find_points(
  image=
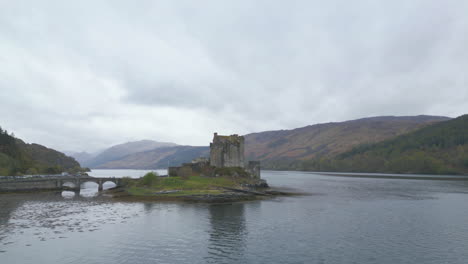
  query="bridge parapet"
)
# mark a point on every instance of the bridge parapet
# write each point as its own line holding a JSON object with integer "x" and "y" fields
{"x": 49, "y": 183}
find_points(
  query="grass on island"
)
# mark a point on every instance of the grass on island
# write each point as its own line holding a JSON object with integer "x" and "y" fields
{"x": 151, "y": 184}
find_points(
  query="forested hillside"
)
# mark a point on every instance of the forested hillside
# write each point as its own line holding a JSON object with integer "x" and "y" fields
{"x": 441, "y": 148}
{"x": 17, "y": 157}
{"x": 329, "y": 139}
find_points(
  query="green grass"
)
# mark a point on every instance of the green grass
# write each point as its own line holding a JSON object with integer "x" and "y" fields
{"x": 197, "y": 192}
{"x": 144, "y": 191}
{"x": 194, "y": 185}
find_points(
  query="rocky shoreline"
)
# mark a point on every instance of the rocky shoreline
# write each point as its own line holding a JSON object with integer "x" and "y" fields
{"x": 227, "y": 195}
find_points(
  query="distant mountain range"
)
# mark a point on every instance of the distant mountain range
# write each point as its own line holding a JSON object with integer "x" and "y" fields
{"x": 82, "y": 157}
{"x": 120, "y": 151}
{"x": 405, "y": 144}
{"x": 161, "y": 157}
{"x": 281, "y": 149}
{"x": 18, "y": 157}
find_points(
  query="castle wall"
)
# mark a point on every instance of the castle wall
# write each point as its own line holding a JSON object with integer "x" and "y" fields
{"x": 227, "y": 151}
{"x": 216, "y": 155}
{"x": 201, "y": 168}
{"x": 254, "y": 169}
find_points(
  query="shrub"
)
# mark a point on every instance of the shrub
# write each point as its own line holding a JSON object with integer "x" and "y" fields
{"x": 149, "y": 179}
{"x": 53, "y": 170}
{"x": 126, "y": 181}
{"x": 31, "y": 171}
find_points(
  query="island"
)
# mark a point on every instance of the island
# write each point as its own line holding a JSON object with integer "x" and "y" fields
{"x": 223, "y": 177}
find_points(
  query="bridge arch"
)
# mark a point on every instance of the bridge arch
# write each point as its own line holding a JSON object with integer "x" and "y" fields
{"x": 101, "y": 181}
{"x": 83, "y": 183}
{"x": 69, "y": 184}
{"x": 107, "y": 182}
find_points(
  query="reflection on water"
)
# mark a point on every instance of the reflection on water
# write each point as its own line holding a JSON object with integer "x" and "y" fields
{"x": 226, "y": 242}
{"x": 353, "y": 220}
{"x": 7, "y": 207}
{"x": 50, "y": 214}
{"x": 88, "y": 189}
{"x": 68, "y": 194}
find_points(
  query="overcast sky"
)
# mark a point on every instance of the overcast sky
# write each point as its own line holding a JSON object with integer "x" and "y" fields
{"x": 83, "y": 75}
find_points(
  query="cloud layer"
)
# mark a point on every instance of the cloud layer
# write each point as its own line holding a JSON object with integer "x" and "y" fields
{"x": 83, "y": 75}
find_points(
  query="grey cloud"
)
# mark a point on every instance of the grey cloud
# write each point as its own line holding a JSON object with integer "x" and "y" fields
{"x": 104, "y": 72}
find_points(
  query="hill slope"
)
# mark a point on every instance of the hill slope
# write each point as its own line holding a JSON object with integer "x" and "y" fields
{"x": 18, "y": 157}
{"x": 441, "y": 148}
{"x": 157, "y": 158}
{"x": 119, "y": 151}
{"x": 81, "y": 157}
{"x": 330, "y": 139}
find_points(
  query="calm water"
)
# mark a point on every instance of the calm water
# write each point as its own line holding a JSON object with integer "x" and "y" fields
{"x": 345, "y": 220}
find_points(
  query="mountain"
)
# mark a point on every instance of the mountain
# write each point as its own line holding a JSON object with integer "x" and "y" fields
{"x": 82, "y": 157}
{"x": 18, "y": 157}
{"x": 162, "y": 157}
{"x": 329, "y": 139}
{"x": 279, "y": 149}
{"x": 119, "y": 151}
{"x": 441, "y": 148}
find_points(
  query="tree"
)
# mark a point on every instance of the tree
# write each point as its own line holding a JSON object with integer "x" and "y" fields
{"x": 31, "y": 171}
{"x": 149, "y": 179}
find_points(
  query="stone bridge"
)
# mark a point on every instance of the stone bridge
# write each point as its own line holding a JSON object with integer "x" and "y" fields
{"x": 77, "y": 181}
{"x": 53, "y": 183}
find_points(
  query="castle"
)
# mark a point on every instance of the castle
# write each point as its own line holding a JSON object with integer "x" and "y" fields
{"x": 225, "y": 152}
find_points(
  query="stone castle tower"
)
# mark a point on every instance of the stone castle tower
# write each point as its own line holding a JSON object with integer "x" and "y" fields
{"x": 227, "y": 151}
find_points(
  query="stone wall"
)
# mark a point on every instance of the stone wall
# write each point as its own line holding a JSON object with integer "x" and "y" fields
{"x": 29, "y": 185}
{"x": 44, "y": 184}
{"x": 254, "y": 169}
{"x": 202, "y": 168}
{"x": 227, "y": 151}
